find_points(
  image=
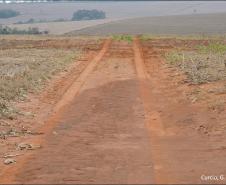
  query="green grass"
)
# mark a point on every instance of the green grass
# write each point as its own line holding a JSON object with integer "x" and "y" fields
{"x": 174, "y": 57}
{"x": 213, "y": 48}
{"x": 127, "y": 38}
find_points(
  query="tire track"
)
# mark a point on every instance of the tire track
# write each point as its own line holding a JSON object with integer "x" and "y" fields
{"x": 179, "y": 154}
{"x": 76, "y": 86}
{"x": 67, "y": 97}
{"x": 152, "y": 118}
{"x": 144, "y": 78}
{"x": 101, "y": 137}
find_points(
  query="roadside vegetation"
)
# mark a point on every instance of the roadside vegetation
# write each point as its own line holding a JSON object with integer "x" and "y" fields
{"x": 26, "y": 70}
{"x": 7, "y": 13}
{"x": 213, "y": 48}
{"x": 127, "y": 38}
{"x": 5, "y": 30}
{"x": 146, "y": 37}
{"x": 206, "y": 64}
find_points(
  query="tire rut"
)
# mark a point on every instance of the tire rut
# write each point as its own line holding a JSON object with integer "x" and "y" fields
{"x": 71, "y": 92}
{"x": 100, "y": 136}
{"x": 178, "y": 152}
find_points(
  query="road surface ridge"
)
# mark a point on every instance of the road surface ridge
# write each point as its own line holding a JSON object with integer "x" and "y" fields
{"x": 152, "y": 118}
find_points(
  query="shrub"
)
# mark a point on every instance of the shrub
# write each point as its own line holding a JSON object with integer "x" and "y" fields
{"x": 88, "y": 15}
{"x": 5, "y": 13}
{"x": 200, "y": 67}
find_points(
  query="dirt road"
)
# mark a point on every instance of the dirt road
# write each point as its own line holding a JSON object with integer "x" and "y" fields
{"x": 123, "y": 120}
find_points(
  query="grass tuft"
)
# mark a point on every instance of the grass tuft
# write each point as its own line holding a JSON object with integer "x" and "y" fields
{"x": 213, "y": 48}
{"x": 127, "y": 38}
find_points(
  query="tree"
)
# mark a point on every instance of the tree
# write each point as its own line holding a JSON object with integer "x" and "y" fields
{"x": 88, "y": 15}
{"x": 6, "y": 13}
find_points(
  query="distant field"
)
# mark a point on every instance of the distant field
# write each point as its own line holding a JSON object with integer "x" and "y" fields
{"x": 122, "y": 10}
{"x": 59, "y": 28}
{"x": 113, "y": 9}
{"x": 178, "y": 24}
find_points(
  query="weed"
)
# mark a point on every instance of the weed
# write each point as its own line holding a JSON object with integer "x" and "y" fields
{"x": 200, "y": 67}
{"x": 127, "y": 38}
{"x": 174, "y": 58}
{"x": 146, "y": 37}
{"x": 213, "y": 48}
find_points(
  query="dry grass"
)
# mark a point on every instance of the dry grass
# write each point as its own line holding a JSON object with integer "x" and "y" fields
{"x": 49, "y": 37}
{"x": 146, "y": 37}
{"x": 26, "y": 70}
{"x": 205, "y": 64}
{"x": 197, "y": 94}
{"x": 217, "y": 105}
{"x": 41, "y": 42}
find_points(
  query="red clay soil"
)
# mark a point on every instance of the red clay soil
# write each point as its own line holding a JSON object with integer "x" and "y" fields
{"x": 130, "y": 122}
